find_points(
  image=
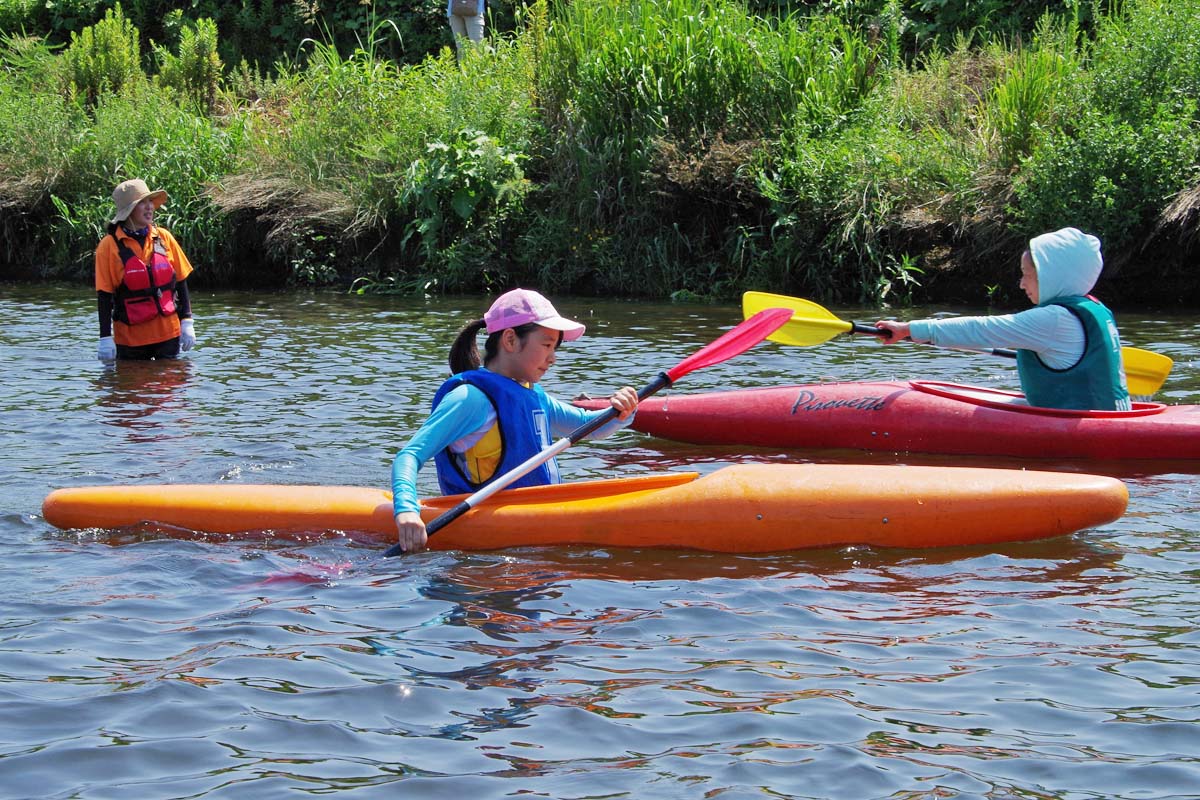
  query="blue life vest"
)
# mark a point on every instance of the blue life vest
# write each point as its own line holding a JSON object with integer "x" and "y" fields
{"x": 1096, "y": 381}
{"x": 524, "y": 430}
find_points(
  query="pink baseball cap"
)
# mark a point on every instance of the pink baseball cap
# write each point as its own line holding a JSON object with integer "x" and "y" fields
{"x": 521, "y": 306}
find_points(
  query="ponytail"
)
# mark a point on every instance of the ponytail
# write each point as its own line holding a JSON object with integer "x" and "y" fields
{"x": 464, "y": 354}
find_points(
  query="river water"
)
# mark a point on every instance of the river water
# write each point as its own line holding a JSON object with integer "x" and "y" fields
{"x": 134, "y": 664}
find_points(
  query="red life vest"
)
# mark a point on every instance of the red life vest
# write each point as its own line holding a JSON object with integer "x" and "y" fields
{"x": 146, "y": 291}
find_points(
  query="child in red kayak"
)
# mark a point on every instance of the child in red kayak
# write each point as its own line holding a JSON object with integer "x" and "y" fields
{"x": 1068, "y": 350}
{"x": 492, "y": 415}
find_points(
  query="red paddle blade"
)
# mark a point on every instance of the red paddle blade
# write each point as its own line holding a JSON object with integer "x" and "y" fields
{"x": 734, "y": 342}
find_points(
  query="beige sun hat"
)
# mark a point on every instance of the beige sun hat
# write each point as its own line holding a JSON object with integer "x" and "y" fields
{"x": 129, "y": 193}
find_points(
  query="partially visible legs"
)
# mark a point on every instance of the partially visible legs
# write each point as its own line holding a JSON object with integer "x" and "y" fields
{"x": 167, "y": 349}
{"x": 470, "y": 28}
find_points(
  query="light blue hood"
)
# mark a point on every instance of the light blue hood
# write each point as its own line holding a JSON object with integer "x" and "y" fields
{"x": 1068, "y": 263}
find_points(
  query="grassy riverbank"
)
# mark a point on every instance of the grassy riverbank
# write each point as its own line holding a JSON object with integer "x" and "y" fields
{"x": 634, "y": 148}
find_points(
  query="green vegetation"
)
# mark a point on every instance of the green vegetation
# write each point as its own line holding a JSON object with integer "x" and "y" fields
{"x": 865, "y": 150}
{"x": 104, "y": 59}
{"x": 196, "y": 72}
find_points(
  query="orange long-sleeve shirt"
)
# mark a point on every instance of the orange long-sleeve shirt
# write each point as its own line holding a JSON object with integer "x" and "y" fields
{"x": 110, "y": 271}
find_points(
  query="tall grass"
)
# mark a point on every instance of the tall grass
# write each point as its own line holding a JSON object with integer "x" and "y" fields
{"x": 990, "y": 144}
{"x": 337, "y": 156}
{"x": 846, "y": 209}
{"x": 36, "y": 131}
{"x": 629, "y": 72}
{"x": 171, "y": 149}
{"x": 636, "y": 147}
{"x": 636, "y": 94}
{"x": 870, "y": 211}
{"x": 1041, "y": 90}
{"x": 62, "y": 159}
{"x": 1118, "y": 163}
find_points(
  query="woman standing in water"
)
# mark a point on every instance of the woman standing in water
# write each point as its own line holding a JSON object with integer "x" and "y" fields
{"x": 141, "y": 282}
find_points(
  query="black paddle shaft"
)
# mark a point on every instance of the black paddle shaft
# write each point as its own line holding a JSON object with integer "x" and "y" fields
{"x": 871, "y": 330}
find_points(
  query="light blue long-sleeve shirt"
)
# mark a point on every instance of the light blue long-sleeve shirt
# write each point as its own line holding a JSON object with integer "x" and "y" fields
{"x": 460, "y": 421}
{"x": 1068, "y": 263}
{"x": 1053, "y": 332}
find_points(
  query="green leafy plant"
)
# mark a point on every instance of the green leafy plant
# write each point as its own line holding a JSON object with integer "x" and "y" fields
{"x": 1145, "y": 56}
{"x": 196, "y": 72}
{"x": 455, "y": 183}
{"x": 55, "y": 20}
{"x": 1108, "y": 176}
{"x": 105, "y": 57}
{"x": 313, "y": 261}
{"x": 897, "y": 280}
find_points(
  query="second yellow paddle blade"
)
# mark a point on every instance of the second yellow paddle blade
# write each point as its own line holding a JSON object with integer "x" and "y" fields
{"x": 810, "y": 324}
{"x": 1145, "y": 370}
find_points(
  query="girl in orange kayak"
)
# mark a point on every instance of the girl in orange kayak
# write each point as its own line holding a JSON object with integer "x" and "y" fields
{"x": 492, "y": 415}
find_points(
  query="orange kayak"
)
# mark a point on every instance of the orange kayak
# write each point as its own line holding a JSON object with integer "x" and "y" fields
{"x": 747, "y": 508}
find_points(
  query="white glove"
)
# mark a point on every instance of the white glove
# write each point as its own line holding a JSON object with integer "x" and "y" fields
{"x": 187, "y": 334}
{"x": 106, "y": 349}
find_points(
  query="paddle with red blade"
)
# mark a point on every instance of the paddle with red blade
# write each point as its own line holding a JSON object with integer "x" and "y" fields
{"x": 734, "y": 342}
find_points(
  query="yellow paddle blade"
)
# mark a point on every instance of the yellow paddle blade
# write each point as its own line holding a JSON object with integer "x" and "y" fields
{"x": 810, "y": 324}
{"x": 1145, "y": 370}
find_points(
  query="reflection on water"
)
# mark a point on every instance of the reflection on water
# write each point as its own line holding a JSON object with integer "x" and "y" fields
{"x": 138, "y": 663}
{"x": 147, "y": 398}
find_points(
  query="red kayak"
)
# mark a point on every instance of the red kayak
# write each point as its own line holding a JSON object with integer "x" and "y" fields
{"x": 921, "y": 417}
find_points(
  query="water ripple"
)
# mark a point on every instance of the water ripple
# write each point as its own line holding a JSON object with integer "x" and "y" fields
{"x": 153, "y": 663}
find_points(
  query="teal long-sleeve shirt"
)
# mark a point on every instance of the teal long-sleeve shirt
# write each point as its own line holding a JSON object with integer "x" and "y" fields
{"x": 460, "y": 420}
